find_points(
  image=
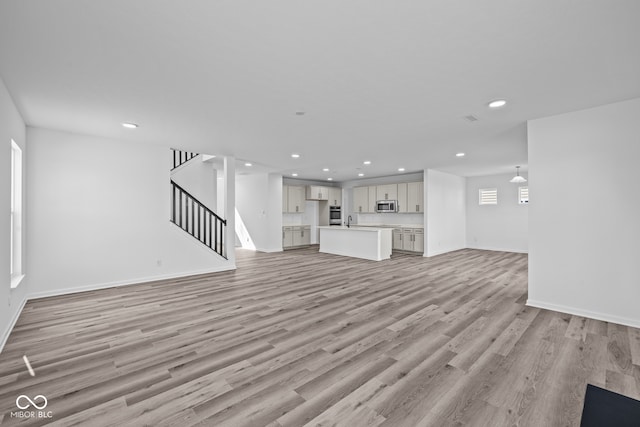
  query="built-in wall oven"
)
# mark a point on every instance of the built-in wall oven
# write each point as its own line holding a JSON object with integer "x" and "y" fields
{"x": 335, "y": 215}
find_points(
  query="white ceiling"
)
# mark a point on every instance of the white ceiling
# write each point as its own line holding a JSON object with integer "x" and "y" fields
{"x": 387, "y": 81}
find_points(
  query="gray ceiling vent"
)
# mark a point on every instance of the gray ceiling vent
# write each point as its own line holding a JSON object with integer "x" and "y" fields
{"x": 471, "y": 118}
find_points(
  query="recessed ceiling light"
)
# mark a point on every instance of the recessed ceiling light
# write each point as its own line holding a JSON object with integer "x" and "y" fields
{"x": 294, "y": 174}
{"x": 329, "y": 179}
{"x": 366, "y": 162}
{"x": 295, "y": 156}
{"x": 360, "y": 174}
{"x": 325, "y": 170}
{"x": 459, "y": 154}
{"x": 497, "y": 103}
{"x": 248, "y": 164}
{"x": 400, "y": 169}
{"x": 130, "y": 125}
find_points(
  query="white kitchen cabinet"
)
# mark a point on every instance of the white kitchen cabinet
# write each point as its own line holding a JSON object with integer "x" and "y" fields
{"x": 296, "y": 235}
{"x": 372, "y": 199}
{"x": 295, "y": 202}
{"x": 285, "y": 198}
{"x": 316, "y": 192}
{"x": 407, "y": 239}
{"x": 418, "y": 240}
{"x": 287, "y": 237}
{"x": 360, "y": 199}
{"x": 402, "y": 197}
{"x": 305, "y": 235}
{"x": 387, "y": 192}
{"x": 335, "y": 196}
{"x": 415, "y": 197}
{"x": 413, "y": 239}
{"x": 397, "y": 239}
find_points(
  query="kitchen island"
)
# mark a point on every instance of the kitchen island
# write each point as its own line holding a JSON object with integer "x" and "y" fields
{"x": 360, "y": 242}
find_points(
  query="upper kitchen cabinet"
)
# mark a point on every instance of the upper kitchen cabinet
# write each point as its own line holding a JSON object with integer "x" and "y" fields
{"x": 360, "y": 199}
{"x": 285, "y": 198}
{"x": 335, "y": 196}
{"x": 295, "y": 198}
{"x": 372, "y": 199}
{"x": 415, "y": 197}
{"x": 402, "y": 198}
{"x": 315, "y": 192}
{"x": 387, "y": 192}
{"x": 364, "y": 199}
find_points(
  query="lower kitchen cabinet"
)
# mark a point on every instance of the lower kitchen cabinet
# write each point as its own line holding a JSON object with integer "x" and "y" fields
{"x": 295, "y": 236}
{"x": 287, "y": 237}
{"x": 408, "y": 239}
{"x": 397, "y": 239}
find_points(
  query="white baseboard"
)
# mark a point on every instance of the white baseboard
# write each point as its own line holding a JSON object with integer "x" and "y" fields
{"x": 12, "y": 323}
{"x": 430, "y": 254}
{"x": 67, "y": 291}
{"x": 518, "y": 251}
{"x": 96, "y": 286}
{"x": 269, "y": 250}
{"x": 427, "y": 255}
{"x": 634, "y": 323}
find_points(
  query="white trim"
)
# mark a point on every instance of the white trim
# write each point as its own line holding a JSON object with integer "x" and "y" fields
{"x": 430, "y": 254}
{"x": 67, "y": 291}
{"x": 634, "y": 323}
{"x": 7, "y": 332}
{"x": 97, "y": 286}
{"x": 517, "y": 251}
{"x": 15, "y": 280}
{"x": 272, "y": 250}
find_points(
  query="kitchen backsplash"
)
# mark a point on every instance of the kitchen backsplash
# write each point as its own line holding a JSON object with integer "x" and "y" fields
{"x": 390, "y": 218}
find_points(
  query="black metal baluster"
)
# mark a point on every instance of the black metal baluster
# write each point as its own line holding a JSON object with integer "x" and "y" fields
{"x": 173, "y": 202}
{"x": 208, "y": 230}
{"x": 210, "y": 227}
{"x": 215, "y": 237}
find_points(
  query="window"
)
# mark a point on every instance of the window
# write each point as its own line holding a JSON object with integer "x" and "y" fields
{"x": 488, "y": 196}
{"x": 523, "y": 195}
{"x": 16, "y": 214}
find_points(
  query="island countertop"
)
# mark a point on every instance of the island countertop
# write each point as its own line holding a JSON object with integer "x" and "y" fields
{"x": 353, "y": 227}
{"x": 360, "y": 242}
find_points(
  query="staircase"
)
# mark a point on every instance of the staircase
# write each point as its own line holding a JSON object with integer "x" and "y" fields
{"x": 181, "y": 157}
{"x": 192, "y": 216}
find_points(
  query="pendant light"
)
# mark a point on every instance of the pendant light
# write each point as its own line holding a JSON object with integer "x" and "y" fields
{"x": 518, "y": 179}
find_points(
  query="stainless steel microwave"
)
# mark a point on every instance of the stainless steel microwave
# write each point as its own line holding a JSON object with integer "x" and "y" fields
{"x": 387, "y": 206}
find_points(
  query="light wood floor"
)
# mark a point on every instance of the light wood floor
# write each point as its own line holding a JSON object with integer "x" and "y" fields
{"x": 300, "y": 338}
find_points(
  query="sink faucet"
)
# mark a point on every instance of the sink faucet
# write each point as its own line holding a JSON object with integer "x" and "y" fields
{"x": 349, "y": 221}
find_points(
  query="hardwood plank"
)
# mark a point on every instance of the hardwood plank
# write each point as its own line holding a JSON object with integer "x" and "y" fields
{"x": 301, "y": 337}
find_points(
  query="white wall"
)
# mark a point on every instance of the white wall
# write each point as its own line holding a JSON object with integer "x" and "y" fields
{"x": 501, "y": 227}
{"x": 259, "y": 205}
{"x": 99, "y": 215}
{"x": 583, "y": 219}
{"x": 11, "y": 127}
{"x": 445, "y": 220}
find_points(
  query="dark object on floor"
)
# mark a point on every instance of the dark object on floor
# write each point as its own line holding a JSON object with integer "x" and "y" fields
{"x": 606, "y": 408}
